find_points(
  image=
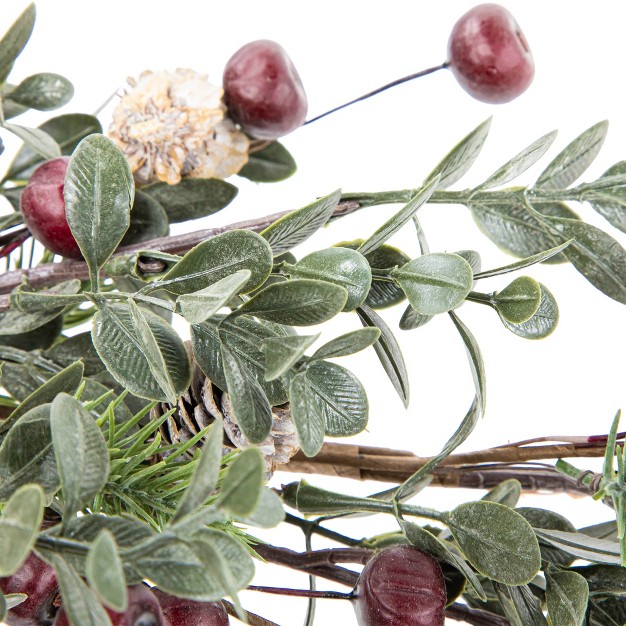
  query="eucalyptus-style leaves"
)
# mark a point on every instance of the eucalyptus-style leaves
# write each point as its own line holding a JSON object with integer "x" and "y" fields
{"x": 349, "y": 343}
{"x": 81, "y": 452}
{"x": 281, "y": 353}
{"x": 241, "y": 487}
{"x": 14, "y": 40}
{"x": 342, "y": 266}
{"x": 270, "y": 165}
{"x": 99, "y": 190}
{"x": 198, "y": 306}
{"x": 250, "y": 404}
{"x": 43, "y": 92}
{"x": 574, "y": 159}
{"x": 192, "y": 198}
{"x": 543, "y": 321}
{"x": 105, "y": 573}
{"x": 217, "y": 258}
{"x": 307, "y": 419}
{"x": 567, "y": 594}
{"x": 298, "y": 302}
{"x": 519, "y": 163}
{"x": 117, "y": 340}
{"x": 497, "y": 541}
{"x": 519, "y": 301}
{"x": 297, "y": 226}
{"x": 435, "y": 283}
{"x": 395, "y": 223}
{"x": 268, "y": 513}
{"x": 388, "y": 351}
{"x": 461, "y": 158}
{"x": 19, "y": 527}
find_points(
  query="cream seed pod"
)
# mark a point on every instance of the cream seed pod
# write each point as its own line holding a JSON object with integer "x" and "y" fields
{"x": 173, "y": 125}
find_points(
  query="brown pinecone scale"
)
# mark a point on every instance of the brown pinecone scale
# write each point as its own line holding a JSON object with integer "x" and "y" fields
{"x": 198, "y": 407}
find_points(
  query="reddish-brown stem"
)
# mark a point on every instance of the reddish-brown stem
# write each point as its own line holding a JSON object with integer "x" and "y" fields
{"x": 302, "y": 593}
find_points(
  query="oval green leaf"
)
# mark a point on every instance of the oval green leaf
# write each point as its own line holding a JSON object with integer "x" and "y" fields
{"x": 14, "y": 40}
{"x": 435, "y": 283}
{"x": 105, "y": 572}
{"x": 497, "y": 541}
{"x": 542, "y": 323}
{"x": 269, "y": 165}
{"x": 115, "y": 338}
{"x": 43, "y": 92}
{"x": 240, "y": 489}
{"x": 283, "y": 352}
{"x": 350, "y": 343}
{"x": 148, "y": 220}
{"x": 567, "y": 594}
{"x": 519, "y": 301}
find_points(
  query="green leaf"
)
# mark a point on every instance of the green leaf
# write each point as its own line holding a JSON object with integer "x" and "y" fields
{"x": 40, "y": 305}
{"x": 306, "y": 415}
{"x": 582, "y": 546}
{"x": 219, "y": 257}
{"x": 74, "y": 348}
{"x": 607, "y": 195}
{"x": 99, "y": 191}
{"x": 240, "y": 489}
{"x": 105, "y": 573}
{"x": 204, "y": 478}
{"x": 341, "y": 266}
{"x": 80, "y": 603}
{"x": 148, "y": 220}
{"x": 513, "y": 227}
{"x": 596, "y": 255}
{"x": 349, "y": 343}
{"x": 66, "y": 381}
{"x": 388, "y": 351}
{"x": 36, "y": 139}
{"x": 115, "y": 338}
{"x": 192, "y": 197}
{"x": 269, "y": 165}
{"x": 542, "y": 323}
{"x": 426, "y": 541}
{"x": 81, "y": 453}
{"x": 199, "y": 306}
{"x": 26, "y": 454}
{"x": 14, "y": 40}
{"x": 519, "y": 301}
{"x": 339, "y": 397}
{"x": 283, "y": 352}
{"x": 268, "y": 513}
{"x": 435, "y": 283}
{"x": 19, "y": 527}
{"x": 497, "y": 541}
{"x": 250, "y": 404}
{"x": 520, "y": 605}
{"x": 299, "y": 302}
{"x": 67, "y": 130}
{"x": 567, "y": 594}
{"x": 297, "y": 226}
{"x": 243, "y": 336}
{"x": 574, "y": 159}
{"x": 393, "y": 225}
{"x": 43, "y": 92}
{"x": 519, "y": 163}
{"x": 543, "y": 518}
{"x": 4, "y": 605}
{"x": 507, "y": 492}
{"x": 461, "y": 158}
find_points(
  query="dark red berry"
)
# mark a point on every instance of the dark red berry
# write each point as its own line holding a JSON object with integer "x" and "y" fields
{"x": 181, "y": 612}
{"x": 38, "y": 581}
{"x": 263, "y": 91}
{"x": 400, "y": 586}
{"x": 489, "y": 56}
{"x": 143, "y": 610}
{"x": 43, "y": 208}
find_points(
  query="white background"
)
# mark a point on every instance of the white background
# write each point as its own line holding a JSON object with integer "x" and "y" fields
{"x": 570, "y": 383}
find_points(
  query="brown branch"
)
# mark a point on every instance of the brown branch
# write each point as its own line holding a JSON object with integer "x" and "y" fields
{"x": 53, "y": 273}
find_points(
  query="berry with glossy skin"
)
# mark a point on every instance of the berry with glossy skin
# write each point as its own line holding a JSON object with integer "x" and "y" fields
{"x": 38, "y": 581}
{"x": 489, "y": 56}
{"x": 400, "y": 586}
{"x": 43, "y": 208}
{"x": 143, "y": 610}
{"x": 181, "y": 612}
{"x": 263, "y": 91}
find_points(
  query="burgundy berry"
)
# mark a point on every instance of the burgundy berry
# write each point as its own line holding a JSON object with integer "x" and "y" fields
{"x": 38, "y": 581}
{"x": 181, "y": 612}
{"x": 43, "y": 208}
{"x": 400, "y": 586}
{"x": 489, "y": 56}
{"x": 143, "y": 610}
{"x": 263, "y": 91}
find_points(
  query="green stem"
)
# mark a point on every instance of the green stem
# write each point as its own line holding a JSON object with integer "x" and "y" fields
{"x": 481, "y": 298}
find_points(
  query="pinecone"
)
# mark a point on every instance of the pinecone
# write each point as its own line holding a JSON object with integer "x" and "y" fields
{"x": 204, "y": 401}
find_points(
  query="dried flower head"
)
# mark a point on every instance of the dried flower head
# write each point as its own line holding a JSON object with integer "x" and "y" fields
{"x": 172, "y": 125}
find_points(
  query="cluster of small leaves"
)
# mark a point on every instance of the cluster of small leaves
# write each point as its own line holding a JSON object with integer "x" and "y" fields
{"x": 516, "y": 562}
